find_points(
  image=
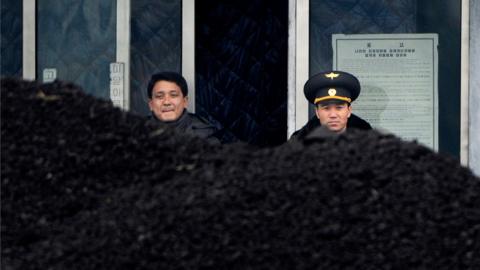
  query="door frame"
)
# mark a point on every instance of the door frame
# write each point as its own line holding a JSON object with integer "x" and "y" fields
{"x": 29, "y": 62}
{"x": 188, "y": 49}
{"x": 298, "y": 64}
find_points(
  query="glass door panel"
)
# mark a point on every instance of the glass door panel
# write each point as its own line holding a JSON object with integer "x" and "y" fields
{"x": 442, "y": 17}
{"x": 76, "y": 42}
{"x": 156, "y": 45}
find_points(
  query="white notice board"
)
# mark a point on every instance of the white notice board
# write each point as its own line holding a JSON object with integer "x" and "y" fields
{"x": 398, "y": 74}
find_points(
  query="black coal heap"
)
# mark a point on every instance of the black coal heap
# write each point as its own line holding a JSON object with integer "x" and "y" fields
{"x": 88, "y": 186}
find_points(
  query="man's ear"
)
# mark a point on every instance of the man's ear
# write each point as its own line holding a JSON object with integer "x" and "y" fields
{"x": 150, "y": 104}
{"x": 316, "y": 112}
{"x": 186, "y": 101}
{"x": 349, "y": 110}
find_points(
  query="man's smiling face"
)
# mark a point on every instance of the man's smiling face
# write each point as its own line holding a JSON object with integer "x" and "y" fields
{"x": 168, "y": 101}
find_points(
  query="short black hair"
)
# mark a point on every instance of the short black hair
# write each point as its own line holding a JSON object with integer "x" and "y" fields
{"x": 168, "y": 76}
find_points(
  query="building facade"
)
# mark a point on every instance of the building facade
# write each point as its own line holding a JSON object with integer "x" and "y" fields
{"x": 246, "y": 61}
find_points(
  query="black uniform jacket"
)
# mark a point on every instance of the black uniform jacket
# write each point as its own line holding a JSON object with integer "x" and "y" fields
{"x": 191, "y": 124}
{"x": 354, "y": 122}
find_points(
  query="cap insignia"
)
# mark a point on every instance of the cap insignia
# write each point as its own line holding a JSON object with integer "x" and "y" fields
{"x": 332, "y": 92}
{"x": 332, "y": 75}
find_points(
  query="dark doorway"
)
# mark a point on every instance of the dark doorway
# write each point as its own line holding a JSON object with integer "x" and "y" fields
{"x": 241, "y": 68}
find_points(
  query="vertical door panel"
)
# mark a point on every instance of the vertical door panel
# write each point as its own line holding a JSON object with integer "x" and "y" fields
{"x": 11, "y": 38}
{"x": 241, "y": 68}
{"x": 77, "y": 40}
{"x": 156, "y": 45}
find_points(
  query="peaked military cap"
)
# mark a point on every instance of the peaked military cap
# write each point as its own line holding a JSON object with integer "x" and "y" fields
{"x": 332, "y": 85}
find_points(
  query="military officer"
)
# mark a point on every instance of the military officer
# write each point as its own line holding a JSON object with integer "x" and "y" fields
{"x": 332, "y": 92}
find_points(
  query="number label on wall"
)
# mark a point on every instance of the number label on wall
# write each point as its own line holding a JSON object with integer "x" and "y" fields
{"x": 117, "y": 94}
{"x": 49, "y": 75}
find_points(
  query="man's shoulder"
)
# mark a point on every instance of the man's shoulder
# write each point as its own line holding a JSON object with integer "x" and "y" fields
{"x": 312, "y": 124}
{"x": 202, "y": 128}
{"x": 152, "y": 120}
{"x": 199, "y": 122}
{"x": 356, "y": 122}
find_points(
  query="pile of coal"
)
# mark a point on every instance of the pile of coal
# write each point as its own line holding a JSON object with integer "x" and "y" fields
{"x": 88, "y": 186}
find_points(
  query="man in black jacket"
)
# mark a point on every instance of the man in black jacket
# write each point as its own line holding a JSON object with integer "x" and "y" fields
{"x": 332, "y": 93}
{"x": 168, "y": 101}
